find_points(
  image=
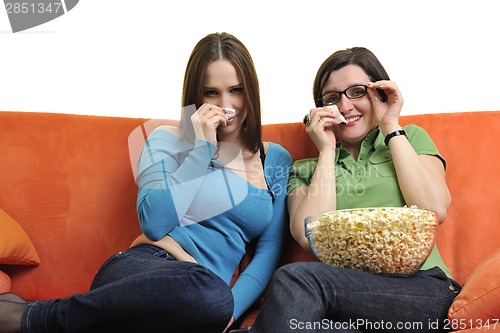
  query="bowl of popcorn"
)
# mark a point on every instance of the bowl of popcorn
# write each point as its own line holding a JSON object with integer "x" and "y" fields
{"x": 383, "y": 240}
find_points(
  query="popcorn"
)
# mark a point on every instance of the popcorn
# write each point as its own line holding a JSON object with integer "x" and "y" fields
{"x": 386, "y": 240}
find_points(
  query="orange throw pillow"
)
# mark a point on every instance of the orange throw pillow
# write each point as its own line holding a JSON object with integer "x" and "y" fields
{"x": 4, "y": 282}
{"x": 16, "y": 247}
{"x": 478, "y": 304}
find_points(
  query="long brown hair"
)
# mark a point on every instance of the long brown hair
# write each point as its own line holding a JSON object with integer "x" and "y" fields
{"x": 224, "y": 46}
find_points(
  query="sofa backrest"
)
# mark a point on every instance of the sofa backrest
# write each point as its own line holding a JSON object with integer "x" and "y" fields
{"x": 68, "y": 180}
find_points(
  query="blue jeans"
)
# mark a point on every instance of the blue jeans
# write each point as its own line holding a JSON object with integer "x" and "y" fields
{"x": 315, "y": 297}
{"x": 142, "y": 289}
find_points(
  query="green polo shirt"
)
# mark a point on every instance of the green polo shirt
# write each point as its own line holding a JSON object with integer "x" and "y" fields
{"x": 371, "y": 181}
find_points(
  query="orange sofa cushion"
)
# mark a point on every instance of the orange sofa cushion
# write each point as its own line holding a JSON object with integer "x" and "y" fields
{"x": 68, "y": 181}
{"x": 16, "y": 247}
{"x": 478, "y": 303}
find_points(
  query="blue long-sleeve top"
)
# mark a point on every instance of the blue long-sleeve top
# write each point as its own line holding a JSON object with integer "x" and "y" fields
{"x": 212, "y": 212}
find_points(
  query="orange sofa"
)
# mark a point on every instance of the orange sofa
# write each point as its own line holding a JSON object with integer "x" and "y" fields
{"x": 68, "y": 194}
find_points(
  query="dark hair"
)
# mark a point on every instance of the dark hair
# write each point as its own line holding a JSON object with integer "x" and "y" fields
{"x": 224, "y": 46}
{"x": 360, "y": 56}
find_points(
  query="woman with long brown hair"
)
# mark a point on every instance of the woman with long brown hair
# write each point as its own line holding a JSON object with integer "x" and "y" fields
{"x": 206, "y": 190}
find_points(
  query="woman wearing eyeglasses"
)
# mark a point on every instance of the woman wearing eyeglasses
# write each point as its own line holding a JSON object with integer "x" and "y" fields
{"x": 400, "y": 166}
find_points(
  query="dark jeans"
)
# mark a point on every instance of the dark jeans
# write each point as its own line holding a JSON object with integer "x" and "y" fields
{"x": 142, "y": 289}
{"x": 315, "y": 297}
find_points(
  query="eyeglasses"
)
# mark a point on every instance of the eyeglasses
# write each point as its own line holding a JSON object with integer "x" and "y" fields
{"x": 353, "y": 92}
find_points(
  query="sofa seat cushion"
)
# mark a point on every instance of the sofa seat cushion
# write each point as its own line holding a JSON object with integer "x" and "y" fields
{"x": 16, "y": 247}
{"x": 478, "y": 304}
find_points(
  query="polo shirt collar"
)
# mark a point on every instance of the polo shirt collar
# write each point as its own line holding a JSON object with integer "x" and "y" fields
{"x": 372, "y": 139}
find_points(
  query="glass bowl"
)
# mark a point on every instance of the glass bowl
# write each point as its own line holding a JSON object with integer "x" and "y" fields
{"x": 383, "y": 240}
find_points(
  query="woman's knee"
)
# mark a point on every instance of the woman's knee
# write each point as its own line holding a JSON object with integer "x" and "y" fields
{"x": 297, "y": 272}
{"x": 292, "y": 276}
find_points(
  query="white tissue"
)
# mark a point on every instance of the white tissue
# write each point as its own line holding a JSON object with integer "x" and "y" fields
{"x": 335, "y": 109}
{"x": 230, "y": 112}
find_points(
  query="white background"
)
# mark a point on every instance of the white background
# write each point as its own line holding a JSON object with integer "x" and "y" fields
{"x": 127, "y": 58}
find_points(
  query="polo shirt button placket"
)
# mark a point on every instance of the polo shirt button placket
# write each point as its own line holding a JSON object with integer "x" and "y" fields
{"x": 360, "y": 174}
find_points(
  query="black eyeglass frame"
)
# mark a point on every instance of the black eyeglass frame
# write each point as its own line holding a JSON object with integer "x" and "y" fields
{"x": 343, "y": 92}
